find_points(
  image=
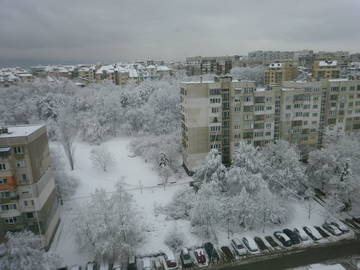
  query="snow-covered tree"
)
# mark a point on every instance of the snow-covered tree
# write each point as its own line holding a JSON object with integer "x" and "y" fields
{"x": 255, "y": 73}
{"x": 102, "y": 158}
{"x": 109, "y": 225}
{"x": 66, "y": 132}
{"x": 23, "y": 250}
{"x": 213, "y": 170}
{"x": 181, "y": 204}
{"x": 65, "y": 184}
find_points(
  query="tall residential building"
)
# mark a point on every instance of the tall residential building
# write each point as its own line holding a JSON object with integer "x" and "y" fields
{"x": 220, "y": 114}
{"x": 27, "y": 187}
{"x": 279, "y": 72}
{"x": 219, "y": 65}
{"x": 325, "y": 69}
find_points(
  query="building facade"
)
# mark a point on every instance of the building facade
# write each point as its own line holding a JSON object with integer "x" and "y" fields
{"x": 220, "y": 114}
{"x": 326, "y": 69}
{"x": 279, "y": 72}
{"x": 27, "y": 188}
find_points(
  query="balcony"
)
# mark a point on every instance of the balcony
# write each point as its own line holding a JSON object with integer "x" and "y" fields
{"x": 5, "y": 152}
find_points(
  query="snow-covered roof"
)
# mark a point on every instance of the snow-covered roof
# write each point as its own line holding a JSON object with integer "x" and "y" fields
{"x": 275, "y": 65}
{"x": 328, "y": 63}
{"x": 20, "y": 131}
{"x": 162, "y": 68}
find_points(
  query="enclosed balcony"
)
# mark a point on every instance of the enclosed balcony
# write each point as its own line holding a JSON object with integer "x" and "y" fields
{"x": 5, "y": 152}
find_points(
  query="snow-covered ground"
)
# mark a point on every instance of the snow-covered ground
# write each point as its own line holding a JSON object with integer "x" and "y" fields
{"x": 143, "y": 183}
{"x": 145, "y": 186}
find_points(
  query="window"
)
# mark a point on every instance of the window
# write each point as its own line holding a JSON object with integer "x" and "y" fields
{"x": 259, "y": 108}
{"x": 3, "y": 180}
{"x": 237, "y": 100}
{"x": 7, "y": 207}
{"x": 30, "y": 215}
{"x": 268, "y": 133}
{"x": 248, "y": 117}
{"x": 25, "y": 203}
{"x": 288, "y": 107}
{"x": 237, "y": 126}
{"x": 314, "y": 114}
{"x": 20, "y": 164}
{"x": 259, "y": 134}
{"x": 268, "y": 99}
{"x": 297, "y": 106}
{"x": 268, "y": 108}
{"x": 215, "y": 110}
{"x": 306, "y": 114}
{"x": 315, "y": 106}
{"x": 10, "y": 220}
{"x": 18, "y": 149}
{"x": 2, "y": 167}
{"x": 215, "y": 100}
{"x": 237, "y": 109}
{"x": 7, "y": 194}
{"x": 248, "y": 99}
{"x": 215, "y": 91}
{"x": 24, "y": 177}
{"x": 306, "y": 106}
{"x": 248, "y": 108}
{"x": 298, "y": 114}
{"x": 288, "y": 115}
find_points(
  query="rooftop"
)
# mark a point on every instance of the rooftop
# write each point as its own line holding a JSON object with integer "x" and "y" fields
{"x": 20, "y": 131}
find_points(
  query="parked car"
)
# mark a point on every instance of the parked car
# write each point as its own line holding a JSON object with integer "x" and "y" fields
{"x": 229, "y": 256}
{"x": 283, "y": 238}
{"x": 91, "y": 266}
{"x": 211, "y": 252}
{"x": 185, "y": 257}
{"x": 170, "y": 261}
{"x": 356, "y": 220}
{"x": 260, "y": 243}
{"x": 250, "y": 245}
{"x": 200, "y": 256}
{"x": 272, "y": 242}
{"x": 132, "y": 263}
{"x": 146, "y": 263}
{"x": 313, "y": 235}
{"x": 341, "y": 227}
{"x": 301, "y": 234}
{"x": 332, "y": 229}
{"x": 238, "y": 247}
{"x": 294, "y": 238}
{"x": 322, "y": 232}
{"x": 75, "y": 267}
{"x": 352, "y": 223}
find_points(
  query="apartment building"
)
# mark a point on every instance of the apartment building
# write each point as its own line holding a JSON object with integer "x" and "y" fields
{"x": 219, "y": 65}
{"x": 27, "y": 187}
{"x": 267, "y": 57}
{"x": 278, "y": 72}
{"x": 87, "y": 73}
{"x": 220, "y": 114}
{"x": 326, "y": 69}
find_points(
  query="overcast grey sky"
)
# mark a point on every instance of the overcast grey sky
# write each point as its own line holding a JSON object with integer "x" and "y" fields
{"x": 73, "y": 31}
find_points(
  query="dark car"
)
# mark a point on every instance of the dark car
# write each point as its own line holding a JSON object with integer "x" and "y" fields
{"x": 301, "y": 234}
{"x": 229, "y": 256}
{"x": 211, "y": 252}
{"x": 170, "y": 261}
{"x": 309, "y": 233}
{"x": 322, "y": 232}
{"x": 271, "y": 241}
{"x": 352, "y": 223}
{"x": 185, "y": 257}
{"x": 283, "y": 238}
{"x": 295, "y": 239}
{"x": 260, "y": 243}
{"x": 356, "y": 220}
{"x": 132, "y": 263}
{"x": 341, "y": 227}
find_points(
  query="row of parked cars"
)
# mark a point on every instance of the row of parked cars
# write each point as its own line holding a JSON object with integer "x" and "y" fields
{"x": 278, "y": 241}
{"x": 238, "y": 248}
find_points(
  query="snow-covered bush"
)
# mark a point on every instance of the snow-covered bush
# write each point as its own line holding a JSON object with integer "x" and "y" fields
{"x": 174, "y": 238}
{"x": 181, "y": 204}
{"x": 23, "y": 250}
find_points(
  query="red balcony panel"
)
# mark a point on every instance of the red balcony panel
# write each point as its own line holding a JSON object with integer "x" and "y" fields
{"x": 10, "y": 185}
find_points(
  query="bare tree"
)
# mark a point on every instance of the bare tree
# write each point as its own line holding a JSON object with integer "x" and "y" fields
{"x": 66, "y": 133}
{"x": 102, "y": 158}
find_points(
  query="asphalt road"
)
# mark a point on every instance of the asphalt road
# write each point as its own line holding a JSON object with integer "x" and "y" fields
{"x": 305, "y": 257}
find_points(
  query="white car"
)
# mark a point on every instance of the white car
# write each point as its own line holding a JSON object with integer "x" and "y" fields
{"x": 239, "y": 247}
{"x": 303, "y": 236}
{"x": 104, "y": 266}
{"x": 250, "y": 245}
{"x": 75, "y": 267}
{"x": 146, "y": 263}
